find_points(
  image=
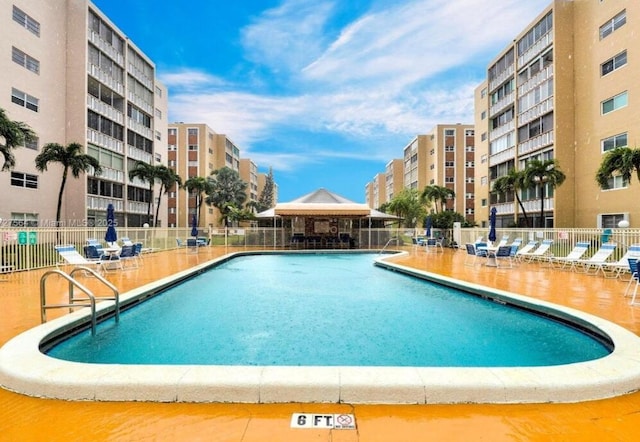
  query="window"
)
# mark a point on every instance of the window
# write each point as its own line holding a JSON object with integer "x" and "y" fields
{"x": 24, "y": 219}
{"x": 483, "y": 202}
{"x": 617, "y": 182}
{"x": 469, "y": 133}
{"x": 24, "y": 100}
{"x": 615, "y": 23}
{"x": 620, "y": 100}
{"x": 483, "y": 115}
{"x": 25, "y": 20}
{"x": 19, "y": 179}
{"x": 483, "y": 137}
{"x": 614, "y": 142}
{"x": 614, "y": 63}
{"x": 25, "y": 60}
{"x": 483, "y": 181}
{"x": 449, "y": 179}
{"x": 449, "y": 148}
{"x": 32, "y": 144}
{"x": 611, "y": 220}
{"x": 158, "y": 113}
{"x": 449, "y": 132}
{"x": 158, "y": 91}
{"x": 449, "y": 164}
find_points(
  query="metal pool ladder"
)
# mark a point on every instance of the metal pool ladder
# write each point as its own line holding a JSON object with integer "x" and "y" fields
{"x": 393, "y": 238}
{"x": 88, "y": 301}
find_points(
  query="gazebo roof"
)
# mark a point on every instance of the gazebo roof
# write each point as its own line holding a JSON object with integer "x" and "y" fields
{"x": 323, "y": 203}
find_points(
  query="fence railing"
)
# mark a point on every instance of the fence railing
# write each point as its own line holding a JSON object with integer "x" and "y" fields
{"x": 25, "y": 248}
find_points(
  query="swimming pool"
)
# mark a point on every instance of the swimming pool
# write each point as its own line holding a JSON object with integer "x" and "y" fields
{"x": 26, "y": 370}
{"x": 326, "y": 310}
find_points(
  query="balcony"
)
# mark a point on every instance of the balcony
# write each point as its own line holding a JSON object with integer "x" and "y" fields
{"x": 535, "y": 143}
{"x": 140, "y": 155}
{"x": 504, "y": 75}
{"x": 104, "y": 109}
{"x": 100, "y": 203}
{"x": 536, "y": 111}
{"x": 502, "y": 156}
{"x": 501, "y": 104}
{"x": 102, "y": 140}
{"x": 535, "y": 49}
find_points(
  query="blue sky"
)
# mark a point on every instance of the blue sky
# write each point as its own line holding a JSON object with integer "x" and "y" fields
{"x": 325, "y": 92}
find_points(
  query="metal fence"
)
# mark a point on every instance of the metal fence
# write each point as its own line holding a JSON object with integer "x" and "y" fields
{"x": 33, "y": 248}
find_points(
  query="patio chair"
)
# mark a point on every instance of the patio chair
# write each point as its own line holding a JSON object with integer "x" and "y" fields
{"x": 539, "y": 253}
{"x": 576, "y": 253}
{"x": 127, "y": 254}
{"x": 526, "y": 249}
{"x": 433, "y": 244}
{"x": 616, "y": 269}
{"x": 503, "y": 254}
{"x": 593, "y": 265}
{"x": 471, "y": 253}
{"x": 635, "y": 279}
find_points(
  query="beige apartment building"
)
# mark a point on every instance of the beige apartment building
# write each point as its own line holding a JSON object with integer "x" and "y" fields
{"x": 375, "y": 191}
{"x": 195, "y": 150}
{"x": 249, "y": 174}
{"x": 444, "y": 157}
{"x": 566, "y": 89}
{"x": 385, "y": 185}
{"x": 74, "y": 77}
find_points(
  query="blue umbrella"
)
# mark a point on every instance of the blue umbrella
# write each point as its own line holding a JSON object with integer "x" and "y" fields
{"x": 492, "y": 225}
{"x": 427, "y": 225}
{"x": 111, "y": 236}
{"x": 194, "y": 226}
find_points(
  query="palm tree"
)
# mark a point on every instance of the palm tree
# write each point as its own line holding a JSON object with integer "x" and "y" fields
{"x": 147, "y": 173}
{"x": 198, "y": 186}
{"x": 407, "y": 205}
{"x": 435, "y": 194}
{"x": 15, "y": 134}
{"x": 622, "y": 161}
{"x": 227, "y": 190}
{"x": 71, "y": 158}
{"x": 540, "y": 174}
{"x": 168, "y": 177}
{"x": 512, "y": 182}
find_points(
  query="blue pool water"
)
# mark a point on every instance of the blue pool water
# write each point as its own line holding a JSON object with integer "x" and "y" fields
{"x": 325, "y": 310}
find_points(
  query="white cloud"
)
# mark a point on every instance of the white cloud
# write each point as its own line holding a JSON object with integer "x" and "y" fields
{"x": 392, "y": 72}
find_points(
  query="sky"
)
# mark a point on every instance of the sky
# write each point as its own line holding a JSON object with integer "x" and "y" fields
{"x": 323, "y": 92}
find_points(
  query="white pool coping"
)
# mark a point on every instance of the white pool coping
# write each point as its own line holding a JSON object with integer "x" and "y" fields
{"x": 24, "y": 369}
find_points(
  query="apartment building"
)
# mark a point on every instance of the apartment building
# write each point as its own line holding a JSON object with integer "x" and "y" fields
{"x": 375, "y": 191}
{"x": 566, "y": 89}
{"x": 444, "y": 157}
{"x": 249, "y": 174}
{"x": 196, "y": 150}
{"x": 393, "y": 179}
{"x": 482, "y": 184}
{"x": 74, "y": 77}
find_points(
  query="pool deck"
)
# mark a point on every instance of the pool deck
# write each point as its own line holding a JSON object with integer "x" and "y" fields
{"x": 617, "y": 419}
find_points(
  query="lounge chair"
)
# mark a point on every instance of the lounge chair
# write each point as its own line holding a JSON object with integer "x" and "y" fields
{"x": 127, "y": 254}
{"x": 70, "y": 256}
{"x": 526, "y": 249}
{"x": 503, "y": 241}
{"x": 615, "y": 269}
{"x": 593, "y": 265}
{"x": 471, "y": 252}
{"x": 570, "y": 260}
{"x": 539, "y": 253}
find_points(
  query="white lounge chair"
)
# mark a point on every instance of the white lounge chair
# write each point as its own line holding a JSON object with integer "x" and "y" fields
{"x": 70, "y": 256}
{"x": 593, "y": 265}
{"x": 576, "y": 253}
{"x": 528, "y": 247}
{"x": 615, "y": 269}
{"x": 540, "y": 253}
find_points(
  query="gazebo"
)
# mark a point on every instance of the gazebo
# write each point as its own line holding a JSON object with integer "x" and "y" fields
{"x": 323, "y": 219}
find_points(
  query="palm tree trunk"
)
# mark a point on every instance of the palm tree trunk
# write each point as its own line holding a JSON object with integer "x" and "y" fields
{"x": 150, "y": 203}
{"x": 60, "y": 192}
{"x": 524, "y": 212}
{"x": 155, "y": 220}
{"x": 542, "y": 205}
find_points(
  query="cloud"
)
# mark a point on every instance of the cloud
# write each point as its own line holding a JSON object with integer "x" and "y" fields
{"x": 390, "y": 74}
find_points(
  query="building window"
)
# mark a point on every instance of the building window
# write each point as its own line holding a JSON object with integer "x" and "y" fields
{"x": 483, "y": 93}
{"x": 25, "y": 100}
{"x": 158, "y": 157}
{"x": 483, "y": 115}
{"x": 193, "y": 147}
{"x": 449, "y": 148}
{"x": 483, "y": 202}
{"x": 483, "y": 158}
{"x": 26, "y": 21}
{"x": 19, "y": 179}
{"x": 32, "y": 144}
{"x": 613, "y": 24}
{"x": 614, "y": 142}
{"x": 483, "y": 137}
{"x": 614, "y": 63}
{"x": 450, "y": 164}
{"x": 449, "y": 179}
{"x": 25, "y": 60}
{"x": 470, "y": 149}
{"x": 483, "y": 181}
{"x": 158, "y": 91}
{"x": 449, "y": 132}
{"x": 617, "y": 182}
{"x": 158, "y": 113}
{"x": 158, "y": 135}
{"x": 620, "y": 100}
{"x": 24, "y": 219}
{"x": 431, "y": 167}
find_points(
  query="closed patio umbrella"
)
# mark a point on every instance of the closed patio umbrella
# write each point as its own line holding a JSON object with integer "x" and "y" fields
{"x": 111, "y": 235}
{"x": 492, "y": 225}
{"x": 194, "y": 226}
{"x": 427, "y": 225}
